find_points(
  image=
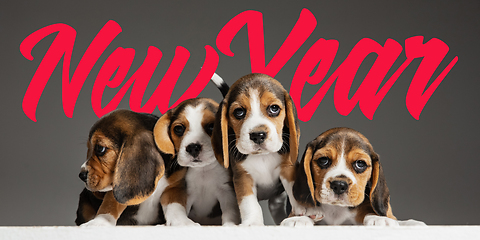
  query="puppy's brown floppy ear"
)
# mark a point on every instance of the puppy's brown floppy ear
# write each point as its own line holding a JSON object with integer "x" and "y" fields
{"x": 303, "y": 188}
{"x": 220, "y": 135}
{"x": 294, "y": 130}
{"x": 379, "y": 193}
{"x": 139, "y": 167}
{"x": 161, "y": 134}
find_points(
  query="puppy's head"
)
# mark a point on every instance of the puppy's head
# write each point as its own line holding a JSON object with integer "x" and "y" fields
{"x": 256, "y": 117}
{"x": 340, "y": 168}
{"x": 185, "y": 132}
{"x": 122, "y": 157}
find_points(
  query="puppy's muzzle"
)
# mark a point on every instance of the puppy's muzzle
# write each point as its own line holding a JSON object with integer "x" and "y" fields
{"x": 258, "y": 137}
{"x": 194, "y": 149}
{"x": 339, "y": 187}
{"x": 83, "y": 176}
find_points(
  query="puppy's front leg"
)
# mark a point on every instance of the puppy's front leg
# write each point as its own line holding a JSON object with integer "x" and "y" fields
{"x": 277, "y": 207}
{"x": 108, "y": 213}
{"x": 174, "y": 200}
{"x": 287, "y": 177}
{"x": 250, "y": 209}
{"x": 229, "y": 206}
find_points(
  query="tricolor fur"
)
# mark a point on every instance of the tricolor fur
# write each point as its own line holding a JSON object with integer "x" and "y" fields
{"x": 340, "y": 181}
{"x": 256, "y": 136}
{"x": 206, "y": 191}
{"x": 122, "y": 171}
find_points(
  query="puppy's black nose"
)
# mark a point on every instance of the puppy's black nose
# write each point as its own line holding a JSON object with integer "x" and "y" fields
{"x": 339, "y": 187}
{"x": 258, "y": 137}
{"x": 194, "y": 149}
{"x": 83, "y": 176}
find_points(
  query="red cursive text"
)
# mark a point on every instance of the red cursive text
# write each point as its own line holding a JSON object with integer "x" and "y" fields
{"x": 322, "y": 53}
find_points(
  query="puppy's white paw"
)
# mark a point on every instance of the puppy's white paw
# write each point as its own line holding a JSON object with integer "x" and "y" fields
{"x": 229, "y": 224}
{"x": 101, "y": 220}
{"x": 176, "y": 215}
{"x": 299, "y": 210}
{"x": 254, "y": 221}
{"x": 374, "y": 220}
{"x": 251, "y": 211}
{"x": 181, "y": 221}
{"x": 248, "y": 224}
{"x": 411, "y": 222}
{"x": 315, "y": 213}
{"x": 300, "y": 221}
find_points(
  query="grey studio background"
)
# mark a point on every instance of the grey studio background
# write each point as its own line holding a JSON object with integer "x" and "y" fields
{"x": 431, "y": 164}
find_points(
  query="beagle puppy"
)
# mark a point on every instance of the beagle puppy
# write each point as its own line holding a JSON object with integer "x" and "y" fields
{"x": 122, "y": 172}
{"x": 205, "y": 193}
{"x": 340, "y": 181}
{"x": 256, "y": 136}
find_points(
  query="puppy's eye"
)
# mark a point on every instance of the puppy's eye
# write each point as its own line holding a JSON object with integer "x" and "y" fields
{"x": 273, "y": 110}
{"x": 209, "y": 128}
{"x": 100, "y": 150}
{"x": 324, "y": 162}
{"x": 179, "y": 130}
{"x": 360, "y": 166}
{"x": 239, "y": 113}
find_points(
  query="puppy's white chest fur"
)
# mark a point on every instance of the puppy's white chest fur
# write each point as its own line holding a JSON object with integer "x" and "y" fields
{"x": 204, "y": 184}
{"x": 337, "y": 215}
{"x": 264, "y": 169}
{"x": 148, "y": 210}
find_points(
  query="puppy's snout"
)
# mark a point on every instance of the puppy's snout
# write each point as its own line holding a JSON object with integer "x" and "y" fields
{"x": 339, "y": 187}
{"x": 83, "y": 176}
{"x": 194, "y": 149}
{"x": 258, "y": 137}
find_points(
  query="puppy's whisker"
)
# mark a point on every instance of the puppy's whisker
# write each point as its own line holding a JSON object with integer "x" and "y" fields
{"x": 233, "y": 141}
{"x": 232, "y": 149}
{"x": 309, "y": 197}
{"x": 174, "y": 164}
